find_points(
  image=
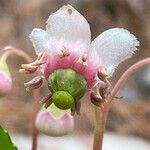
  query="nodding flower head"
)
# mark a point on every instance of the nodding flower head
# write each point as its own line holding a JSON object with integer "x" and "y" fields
{"x": 72, "y": 64}
{"x": 5, "y": 79}
{"x": 54, "y": 122}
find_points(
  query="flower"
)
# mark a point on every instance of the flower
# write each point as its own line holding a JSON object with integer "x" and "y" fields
{"x": 72, "y": 64}
{"x": 54, "y": 122}
{"x": 5, "y": 79}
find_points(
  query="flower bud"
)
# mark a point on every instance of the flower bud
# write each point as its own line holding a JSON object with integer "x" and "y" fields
{"x": 5, "y": 79}
{"x": 54, "y": 122}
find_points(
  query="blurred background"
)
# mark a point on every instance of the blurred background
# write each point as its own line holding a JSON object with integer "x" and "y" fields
{"x": 129, "y": 115}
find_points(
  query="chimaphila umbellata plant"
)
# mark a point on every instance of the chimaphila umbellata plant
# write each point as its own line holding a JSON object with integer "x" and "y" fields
{"x": 73, "y": 66}
{"x": 71, "y": 63}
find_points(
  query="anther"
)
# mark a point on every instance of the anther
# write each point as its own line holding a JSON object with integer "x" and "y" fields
{"x": 32, "y": 67}
{"x": 64, "y": 52}
{"x": 83, "y": 60}
{"x": 40, "y": 60}
{"x": 96, "y": 103}
{"x": 102, "y": 74}
{"x": 26, "y": 71}
{"x": 34, "y": 83}
{"x": 69, "y": 11}
{"x": 96, "y": 99}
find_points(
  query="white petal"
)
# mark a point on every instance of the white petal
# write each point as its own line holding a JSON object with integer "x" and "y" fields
{"x": 39, "y": 40}
{"x": 112, "y": 47}
{"x": 67, "y": 27}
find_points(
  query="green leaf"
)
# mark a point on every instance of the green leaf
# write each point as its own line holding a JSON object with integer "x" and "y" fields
{"x": 5, "y": 141}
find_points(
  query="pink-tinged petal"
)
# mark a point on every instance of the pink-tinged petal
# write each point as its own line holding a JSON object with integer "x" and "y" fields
{"x": 65, "y": 28}
{"x": 112, "y": 47}
{"x": 49, "y": 125}
{"x": 67, "y": 61}
{"x": 39, "y": 40}
{"x": 50, "y": 66}
{"x": 90, "y": 74}
{"x": 53, "y": 63}
{"x": 68, "y": 27}
{"x": 57, "y": 62}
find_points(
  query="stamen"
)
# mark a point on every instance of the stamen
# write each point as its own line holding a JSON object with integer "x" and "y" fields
{"x": 32, "y": 67}
{"x": 42, "y": 57}
{"x": 102, "y": 92}
{"x": 29, "y": 67}
{"x": 96, "y": 97}
{"x": 34, "y": 83}
{"x": 64, "y": 52}
{"x": 99, "y": 97}
{"x": 102, "y": 74}
{"x": 33, "y": 88}
{"x": 83, "y": 60}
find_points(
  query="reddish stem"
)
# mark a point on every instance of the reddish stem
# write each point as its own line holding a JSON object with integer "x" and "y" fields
{"x": 128, "y": 73}
{"x": 100, "y": 118}
{"x": 103, "y": 112}
{"x": 36, "y": 93}
{"x": 18, "y": 52}
{"x": 36, "y": 96}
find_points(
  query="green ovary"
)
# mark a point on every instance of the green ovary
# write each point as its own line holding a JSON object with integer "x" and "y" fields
{"x": 67, "y": 87}
{"x": 63, "y": 100}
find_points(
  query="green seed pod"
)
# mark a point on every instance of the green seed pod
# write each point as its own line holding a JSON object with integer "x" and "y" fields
{"x": 67, "y": 86}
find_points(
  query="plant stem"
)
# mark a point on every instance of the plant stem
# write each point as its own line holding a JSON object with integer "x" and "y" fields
{"x": 36, "y": 96}
{"x": 36, "y": 93}
{"x": 18, "y": 52}
{"x": 98, "y": 129}
{"x": 100, "y": 122}
{"x": 126, "y": 75}
{"x": 101, "y": 114}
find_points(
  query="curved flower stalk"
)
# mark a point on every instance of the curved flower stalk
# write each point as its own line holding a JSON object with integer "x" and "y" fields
{"x": 72, "y": 64}
{"x": 6, "y": 84}
{"x": 102, "y": 113}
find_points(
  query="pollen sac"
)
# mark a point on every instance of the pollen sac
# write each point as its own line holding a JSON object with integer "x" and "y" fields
{"x": 67, "y": 87}
{"x": 5, "y": 79}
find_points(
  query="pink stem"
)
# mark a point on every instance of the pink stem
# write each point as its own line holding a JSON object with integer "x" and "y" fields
{"x": 100, "y": 118}
{"x": 103, "y": 112}
{"x": 36, "y": 96}
{"x": 133, "y": 69}
{"x": 18, "y": 52}
{"x": 36, "y": 93}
